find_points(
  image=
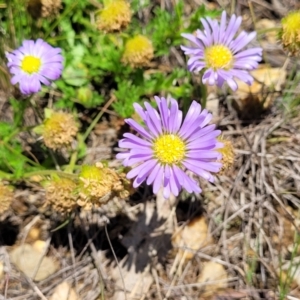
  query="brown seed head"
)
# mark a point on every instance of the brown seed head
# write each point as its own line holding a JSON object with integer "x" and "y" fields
{"x": 43, "y": 8}
{"x": 227, "y": 155}
{"x": 115, "y": 16}
{"x": 138, "y": 52}
{"x": 59, "y": 130}
{"x": 99, "y": 184}
{"x": 61, "y": 195}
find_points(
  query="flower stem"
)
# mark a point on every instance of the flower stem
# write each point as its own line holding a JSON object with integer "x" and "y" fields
{"x": 74, "y": 156}
{"x": 71, "y": 166}
{"x": 4, "y": 175}
{"x": 99, "y": 115}
{"x": 11, "y": 149}
{"x": 203, "y": 91}
{"x": 49, "y": 172}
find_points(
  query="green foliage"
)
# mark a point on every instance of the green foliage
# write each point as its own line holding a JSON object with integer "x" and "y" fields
{"x": 165, "y": 29}
{"x": 18, "y": 110}
{"x": 93, "y": 70}
{"x": 288, "y": 272}
{"x": 290, "y": 99}
{"x": 127, "y": 94}
{"x": 201, "y": 12}
{"x": 12, "y": 159}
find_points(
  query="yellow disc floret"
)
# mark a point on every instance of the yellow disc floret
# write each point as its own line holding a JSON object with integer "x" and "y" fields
{"x": 138, "y": 51}
{"x": 218, "y": 57}
{"x": 290, "y": 32}
{"x": 31, "y": 64}
{"x": 169, "y": 149}
{"x": 115, "y": 15}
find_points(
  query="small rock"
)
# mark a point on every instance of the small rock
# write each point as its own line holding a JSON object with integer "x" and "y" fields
{"x": 26, "y": 258}
{"x": 64, "y": 292}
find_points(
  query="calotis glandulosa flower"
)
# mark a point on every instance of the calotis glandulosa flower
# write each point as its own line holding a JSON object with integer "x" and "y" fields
{"x": 218, "y": 51}
{"x": 35, "y": 62}
{"x": 169, "y": 150}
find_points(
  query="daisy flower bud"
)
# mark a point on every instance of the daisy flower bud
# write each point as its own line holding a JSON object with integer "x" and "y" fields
{"x": 61, "y": 195}
{"x": 6, "y": 197}
{"x": 170, "y": 151}
{"x": 59, "y": 129}
{"x": 35, "y": 62}
{"x": 43, "y": 8}
{"x": 290, "y": 32}
{"x": 218, "y": 50}
{"x": 115, "y": 16}
{"x": 138, "y": 52}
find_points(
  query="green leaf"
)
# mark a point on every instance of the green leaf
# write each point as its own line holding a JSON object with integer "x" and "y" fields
{"x": 201, "y": 12}
{"x": 127, "y": 94}
{"x": 5, "y": 129}
{"x": 75, "y": 75}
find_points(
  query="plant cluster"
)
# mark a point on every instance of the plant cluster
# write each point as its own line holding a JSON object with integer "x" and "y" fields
{"x": 111, "y": 60}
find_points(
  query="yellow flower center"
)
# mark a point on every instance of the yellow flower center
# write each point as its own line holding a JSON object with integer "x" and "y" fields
{"x": 91, "y": 173}
{"x": 138, "y": 44}
{"x": 291, "y": 22}
{"x": 169, "y": 149}
{"x": 218, "y": 57}
{"x": 31, "y": 64}
{"x": 138, "y": 51}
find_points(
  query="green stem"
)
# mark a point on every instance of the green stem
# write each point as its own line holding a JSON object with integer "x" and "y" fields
{"x": 4, "y": 175}
{"x": 92, "y": 125}
{"x": 95, "y": 121}
{"x": 65, "y": 13}
{"x": 35, "y": 108}
{"x": 71, "y": 166}
{"x": 19, "y": 154}
{"x": 74, "y": 156}
{"x": 265, "y": 30}
{"x": 17, "y": 131}
{"x": 66, "y": 222}
{"x": 49, "y": 173}
{"x": 203, "y": 90}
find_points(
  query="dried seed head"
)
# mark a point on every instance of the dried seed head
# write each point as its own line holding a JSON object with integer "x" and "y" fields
{"x": 6, "y": 197}
{"x": 43, "y": 8}
{"x": 290, "y": 32}
{"x": 115, "y": 16}
{"x": 138, "y": 52}
{"x": 59, "y": 130}
{"x": 99, "y": 184}
{"x": 227, "y": 152}
{"x": 61, "y": 195}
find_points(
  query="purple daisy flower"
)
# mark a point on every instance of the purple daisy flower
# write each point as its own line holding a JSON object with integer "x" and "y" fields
{"x": 169, "y": 150}
{"x": 219, "y": 52}
{"x": 34, "y": 63}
